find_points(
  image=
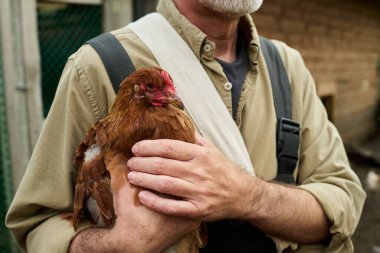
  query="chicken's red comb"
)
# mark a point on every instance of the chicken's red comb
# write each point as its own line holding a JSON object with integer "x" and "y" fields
{"x": 167, "y": 78}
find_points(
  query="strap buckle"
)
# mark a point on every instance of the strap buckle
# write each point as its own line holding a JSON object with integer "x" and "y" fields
{"x": 288, "y": 140}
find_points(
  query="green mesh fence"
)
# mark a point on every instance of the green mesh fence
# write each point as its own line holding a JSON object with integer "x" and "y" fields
{"x": 62, "y": 29}
{"x": 6, "y": 242}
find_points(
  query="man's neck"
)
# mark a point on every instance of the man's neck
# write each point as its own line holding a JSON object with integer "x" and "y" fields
{"x": 220, "y": 29}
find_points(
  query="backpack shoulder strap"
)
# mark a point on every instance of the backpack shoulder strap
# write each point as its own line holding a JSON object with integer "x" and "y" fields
{"x": 282, "y": 95}
{"x": 288, "y": 131}
{"x": 114, "y": 57}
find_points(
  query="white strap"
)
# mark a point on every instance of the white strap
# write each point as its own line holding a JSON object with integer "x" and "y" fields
{"x": 195, "y": 88}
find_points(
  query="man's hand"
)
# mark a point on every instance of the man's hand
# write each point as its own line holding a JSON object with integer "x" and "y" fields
{"x": 137, "y": 229}
{"x": 207, "y": 185}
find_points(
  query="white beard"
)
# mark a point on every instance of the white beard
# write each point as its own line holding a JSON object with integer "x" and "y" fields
{"x": 232, "y": 8}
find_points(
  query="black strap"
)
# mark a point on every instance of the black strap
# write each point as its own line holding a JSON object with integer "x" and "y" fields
{"x": 115, "y": 59}
{"x": 279, "y": 79}
{"x": 288, "y": 139}
{"x": 288, "y": 131}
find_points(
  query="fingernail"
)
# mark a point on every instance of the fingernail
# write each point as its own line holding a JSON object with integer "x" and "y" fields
{"x": 142, "y": 196}
{"x": 134, "y": 149}
{"x": 129, "y": 163}
{"x": 131, "y": 176}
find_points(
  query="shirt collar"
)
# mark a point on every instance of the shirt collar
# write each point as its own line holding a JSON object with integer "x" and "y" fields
{"x": 197, "y": 40}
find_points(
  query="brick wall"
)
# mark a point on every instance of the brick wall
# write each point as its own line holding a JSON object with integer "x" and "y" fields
{"x": 340, "y": 43}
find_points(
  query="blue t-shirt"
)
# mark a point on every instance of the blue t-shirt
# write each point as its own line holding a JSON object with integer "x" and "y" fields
{"x": 236, "y": 71}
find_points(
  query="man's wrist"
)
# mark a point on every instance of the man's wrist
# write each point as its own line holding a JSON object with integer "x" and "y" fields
{"x": 255, "y": 191}
{"x": 94, "y": 240}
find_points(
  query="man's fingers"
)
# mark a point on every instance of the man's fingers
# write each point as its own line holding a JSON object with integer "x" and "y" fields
{"x": 171, "y": 207}
{"x": 159, "y": 166}
{"x": 163, "y": 184}
{"x": 171, "y": 149}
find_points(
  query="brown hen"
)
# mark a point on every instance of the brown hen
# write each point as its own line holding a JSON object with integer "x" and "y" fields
{"x": 146, "y": 107}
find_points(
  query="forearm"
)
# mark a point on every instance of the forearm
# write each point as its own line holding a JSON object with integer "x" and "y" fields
{"x": 287, "y": 212}
{"x": 92, "y": 240}
{"x": 98, "y": 240}
{"x": 146, "y": 238}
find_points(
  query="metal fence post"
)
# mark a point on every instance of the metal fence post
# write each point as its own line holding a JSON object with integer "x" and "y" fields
{"x": 7, "y": 244}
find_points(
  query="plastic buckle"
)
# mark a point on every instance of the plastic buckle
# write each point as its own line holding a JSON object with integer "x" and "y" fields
{"x": 288, "y": 139}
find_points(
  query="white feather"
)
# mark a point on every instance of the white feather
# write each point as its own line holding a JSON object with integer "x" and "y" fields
{"x": 92, "y": 152}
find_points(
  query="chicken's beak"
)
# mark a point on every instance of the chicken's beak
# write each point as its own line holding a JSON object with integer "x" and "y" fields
{"x": 175, "y": 100}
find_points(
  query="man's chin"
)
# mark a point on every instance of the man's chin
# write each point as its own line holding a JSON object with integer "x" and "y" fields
{"x": 232, "y": 9}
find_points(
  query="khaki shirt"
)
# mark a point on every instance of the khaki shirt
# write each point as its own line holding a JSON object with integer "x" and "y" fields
{"x": 85, "y": 94}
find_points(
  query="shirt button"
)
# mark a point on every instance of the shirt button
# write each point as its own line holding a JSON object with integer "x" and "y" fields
{"x": 228, "y": 86}
{"x": 207, "y": 47}
{"x": 255, "y": 49}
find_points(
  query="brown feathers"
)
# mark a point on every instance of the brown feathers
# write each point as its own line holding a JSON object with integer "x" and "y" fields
{"x": 146, "y": 107}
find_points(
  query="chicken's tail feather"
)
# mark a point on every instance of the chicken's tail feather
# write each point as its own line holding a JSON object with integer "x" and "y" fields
{"x": 104, "y": 200}
{"x": 80, "y": 192}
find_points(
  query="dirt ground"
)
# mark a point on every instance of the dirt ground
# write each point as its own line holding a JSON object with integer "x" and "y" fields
{"x": 367, "y": 236}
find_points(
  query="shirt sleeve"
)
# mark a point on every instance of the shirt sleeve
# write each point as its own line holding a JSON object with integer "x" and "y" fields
{"x": 46, "y": 190}
{"x": 323, "y": 169}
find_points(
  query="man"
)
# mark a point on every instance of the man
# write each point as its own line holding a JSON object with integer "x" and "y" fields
{"x": 318, "y": 215}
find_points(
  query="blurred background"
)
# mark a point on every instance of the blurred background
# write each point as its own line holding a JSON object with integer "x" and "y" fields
{"x": 338, "y": 39}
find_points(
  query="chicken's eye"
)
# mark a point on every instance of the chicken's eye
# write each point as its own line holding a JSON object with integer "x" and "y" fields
{"x": 150, "y": 86}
